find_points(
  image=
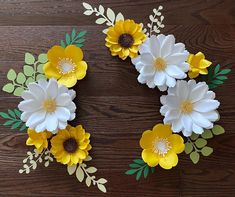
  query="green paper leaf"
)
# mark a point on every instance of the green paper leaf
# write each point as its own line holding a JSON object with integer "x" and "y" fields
{"x": 9, "y": 122}
{"x": 29, "y": 58}
{"x": 40, "y": 68}
{"x": 23, "y": 127}
{"x": 81, "y": 34}
{"x": 200, "y": 142}
{"x": 222, "y": 78}
{"x": 206, "y": 151}
{"x": 28, "y": 70}
{"x": 29, "y": 80}
{"x": 146, "y": 172}
{"x": 79, "y": 45}
{"x": 16, "y": 125}
{"x": 11, "y": 113}
{"x": 138, "y": 175}
{"x": 188, "y": 148}
{"x": 131, "y": 171}
{"x": 42, "y": 58}
{"x": 211, "y": 86}
{"x": 225, "y": 71}
{"x": 20, "y": 78}
{"x": 17, "y": 113}
{"x": 11, "y": 75}
{"x": 40, "y": 76}
{"x": 18, "y": 91}
{"x": 207, "y": 134}
{"x": 67, "y": 38}
{"x": 194, "y": 136}
{"x": 62, "y": 44}
{"x": 139, "y": 161}
{"x": 217, "y": 68}
{"x": 9, "y": 88}
{"x": 218, "y": 130}
{"x": 194, "y": 156}
{"x": 134, "y": 165}
{"x": 73, "y": 34}
{"x": 153, "y": 169}
{"x": 4, "y": 115}
{"x": 217, "y": 82}
{"x": 80, "y": 40}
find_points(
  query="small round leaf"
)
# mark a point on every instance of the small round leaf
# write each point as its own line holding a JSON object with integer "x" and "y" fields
{"x": 194, "y": 156}
{"x": 9, "y": 88}
{"x": 21, "y": 78}
{"x": 194, "y": 136}
{"x": 207, "y": 134}
{"x": 28, "y": 70}
{"x": 218, "y": 130}
{"x": 29, "y": 58}
{"x": 40, "y": 76}
{"x": 29, "y": 80}
{"x": 42, "y": 58}
{"x": 188, "y": 148}
{"x": 40, "y": 68}
{"x": 200, "y": 142}
{"x": 206, "y": 151}
{"x": 18, "y": 91}
{"x": 11, "y": 75}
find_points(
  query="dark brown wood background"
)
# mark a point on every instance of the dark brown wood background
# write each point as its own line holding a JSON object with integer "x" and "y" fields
{"x": 112, "y": 105}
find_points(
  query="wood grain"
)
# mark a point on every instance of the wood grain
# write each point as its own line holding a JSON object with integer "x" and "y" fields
{"x": 112, "y": 105}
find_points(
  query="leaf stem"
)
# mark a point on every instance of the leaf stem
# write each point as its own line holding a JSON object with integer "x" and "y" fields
{"x": 96, "y": 11}
{"x": 190, "y": 141}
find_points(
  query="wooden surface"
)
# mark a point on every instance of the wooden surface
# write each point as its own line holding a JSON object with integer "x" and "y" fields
{"x": 112, "y": 105}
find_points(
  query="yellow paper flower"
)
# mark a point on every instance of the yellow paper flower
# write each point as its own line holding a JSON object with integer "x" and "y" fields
{"x": 65, "y": 65}
{"x": 71, "y": 145}
{"x": 198, "y": 65}
{"x": 39, "y": 140}
{"x": 124, "y": 38}
{"x": 161, "y": 147}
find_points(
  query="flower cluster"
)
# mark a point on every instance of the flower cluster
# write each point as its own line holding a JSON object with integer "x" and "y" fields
{"x": 48, "y": 105}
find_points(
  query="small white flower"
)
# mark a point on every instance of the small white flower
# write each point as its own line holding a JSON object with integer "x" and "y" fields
{"x": 161, "y": 62}
{"x": 189, "y": 107}
{"x": 47, "y": 106}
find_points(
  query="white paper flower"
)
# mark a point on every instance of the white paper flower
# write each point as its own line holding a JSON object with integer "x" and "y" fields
{"x": 47, "y": 106}
{"x": 189, "y": 107}
{"x": 161, "y": 62}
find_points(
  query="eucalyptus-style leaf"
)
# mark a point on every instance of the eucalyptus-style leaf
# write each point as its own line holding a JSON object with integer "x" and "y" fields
{"x": 20, "y": 78}
{"x": 28, "y": 70}
{"x": 71, "y": 169}
{"x": 11, "y": 75}
{"x": 119, "y": 17}
{"x": 207, "y": 134}
{"x": 200, "y": 142}
{"x": 87, "y": 6}
{"x": 194, "y": 156}
{"x": 79, "y": 174}
{"x": 194, "y": 136}
{"x": 188, "y": 148}
{"x": 42, "y": 58}
{"x": 91, "y": 170}
{"x": 29, "y": 58}
{"x": 206, "y": 151}
{"x": 9, "y": 88}
{"x": 88, "y": 181}
{"x": 146, "y": 171}
{"x": 102, "y": 188}
{"x": 18, "y": 91}
{"x": 100, "y": 21}
{"x": 110, "y": 14}
{"x": 218, "y": 130}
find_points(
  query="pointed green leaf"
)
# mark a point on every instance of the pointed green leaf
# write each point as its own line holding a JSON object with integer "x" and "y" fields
{"x": 188, "y": 148}
{"x": 62, "y": 44}
{"x": 17, "y": 112}
{"x": 73, "y": 34}
{"x": 9, "y": 122}
{"x": 11, "y": 75}
{"x": 29, "y": 58}
{"x": 16, "y": 125}
{"x": 134, "y": 165}
{"x": 28, "y": 70}
{"x": 139, "y": 161}
{"x": 81, "y": 34}
{"x": 207, "y": 134}
{"x": 9, "y": 88}
{"x": 20, "y": 78}
{"x": 79, "y": 41}
{"x": 225, "y": 71}
{"x": 131, "y": 171}
{"x": 194, "y": 156}
{"x": 200, "y": 142}
{"x": 23, "y": 127}
{"x": 207, "y": 151}
{"x": 146, "y": 171}
{"x": 217, "y": 82}
{"x": 138, "y": 175}
{"x": 67, "y": 38}
{"x": 222, "y": 78}
{"x": 211, "y": 86}
{"x": 217, "y": 68}
{"x": 79, "y": 45}
{"x": 218, "y": 130}
{"x": 42, "y": 58}
{"x": 11, "y": 113}
{"x": 4, "y": 115}
{"x": 40, "y": 68}
{"x": 153, "y": 169}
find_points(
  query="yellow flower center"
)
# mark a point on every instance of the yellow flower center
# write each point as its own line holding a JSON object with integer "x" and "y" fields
{"x": 70, "y": 145}
{"x": 161, "y": 146}
{"x": 66, "y": 66}
{"x": 160, "y": 64}
{"x": 186, "y": 106}
{"x": 49, "y": 105}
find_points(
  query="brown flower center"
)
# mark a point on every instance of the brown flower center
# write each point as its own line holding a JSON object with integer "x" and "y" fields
{"x": 126, "y": 40}
{"x": 70, "y": 145}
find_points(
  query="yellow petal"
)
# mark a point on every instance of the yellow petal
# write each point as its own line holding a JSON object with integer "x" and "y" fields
{"x": 146, "y": 140}
{"x": 81, "y": 154}
{"x": 204, "y": 63}
{"x": 162, "y": 131}
{"x": 116, "y": 48}
{"x": 74, "y": 53}
{"x": 203, "y": 71}
{"x": 51, "y": 71}
{"x": 65, "y": 158}
{"x": 169, "y": 161}
{"x": 150, "y": 157}
{"x": 74, "y": 158}
{"x": 68, "y": 80}
{"x": 55, "y": 54}
{"x": 118, "y": 28}
{"x": 81, "y": 70}
{"x": 193, "y": 74}
{"x": 112, "y": 33}
{"x": 177, "y": 143}
{"x": 190, "y": 58}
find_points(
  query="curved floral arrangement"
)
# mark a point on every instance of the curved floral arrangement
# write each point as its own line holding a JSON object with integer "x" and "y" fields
{"x": 189, "y": 107}
{"x": 48, "y": 106}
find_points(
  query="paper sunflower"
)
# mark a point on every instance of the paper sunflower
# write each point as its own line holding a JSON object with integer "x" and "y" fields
{"x": 161, "y": 147}
{"x": 124, "y": 38}
{"x": 65, "y": 65}
{"x": 71, "y": 145}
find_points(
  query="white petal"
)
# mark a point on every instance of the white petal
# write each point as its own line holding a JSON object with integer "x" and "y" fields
{"x": 36, "y": 118}
{"x": 172, "y": 101}
{"x": 197, "y": 129}
{"x": 186, "y": 133}
{"x": 72, "y": 116}
{"x": 177, "y": 58}
{"x": 147, "y": 59}
{"x": 25, "y": 115}
{"x": 72, "y": 94}
{"x": 206, "y": 105}
{"x": 177, "y": 126}
{"x": 63, "y": 100}
{"x": 41, "y": 127}
{"x": 200, "y": 120}
{"x": 43, "y": 83}
{"x": 62, "y": 125}
{"x": 163, "y": 99}
{"x": 71, "y": 107}
{"x": 182, "y": 90}
{"x": 178, "y": 48}
{"x": 171, "y": 91}
{"x": 187, "y": 122}
{"x": 145, "y": 47}
{"x": 159, "y": 78}
{"x": 184, "y": 67}
{"x": 175, "y": 71}
{"x": 211, "y": 116}
{"x": 210, "y": 95}
{"x": 164, "y": 109}
{"x": 51, "y": 122}
{"x": 167, "y": 45}
{"x": 141, "y": 79}
{"x": 29, "y": 105}
{"x": 170, "y": 81}
{"x": 171, "y": 115}
{"x": 52, "y": 89}
{"x": 147, "y": 71}
{"x": 62, "y": 114}
{"x": 150, "y": 83}
{"x": 191, "y": 84}
{"x": 155, "y": 46}
{"x": 198, "y": 93}
{"x": 36, "y": 90}
{"x": 161, "y": 38}
{"x": 162, "y": 88}
{"x": 26, "y": 95}
{"x": 137, "y": 62}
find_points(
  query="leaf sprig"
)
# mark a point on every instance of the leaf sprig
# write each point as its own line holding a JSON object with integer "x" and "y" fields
{"x": 32, "y": 71}
{"x": 156, "y": 22}
{"x": 110, "y": 18}
{"x": 81, "y": 170}
{"x": 13, "y": 119}
{"x": 76, "y": 38}
{"x": 139, "y": 167}
{"x": 216, "y": 76}
{"x": 197, "y": 144}
{"x": 33, "y": 158}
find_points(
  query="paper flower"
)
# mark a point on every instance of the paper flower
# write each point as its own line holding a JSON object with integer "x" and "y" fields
{"x": 189, "y": 107}
{"x": 39, "y": 140}
{"x": 161, "y": 147}
{"x": 71, "y": 145}
{"x": 198, "y": 65}
{"x": 124, "y": 38}
{"x": 65, "y": 65}
{"x": 47, "y": 106}
{"x": 161, "y": 62}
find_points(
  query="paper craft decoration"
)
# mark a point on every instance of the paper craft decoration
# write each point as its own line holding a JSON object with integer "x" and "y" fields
{"x": 47, "y": 106}
{"x": 190, "y": 106}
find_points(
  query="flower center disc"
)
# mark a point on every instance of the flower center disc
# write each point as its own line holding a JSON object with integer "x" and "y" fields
{"x": 161, "y": 146}
{"x": 186, "y": 107}
{"x": 160, "y": 64}
{"x": 126, "y": 40}
{"x": 49, "y": 105}
{"x": 66, "y": 66}
{"x": 70, "y": 145}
